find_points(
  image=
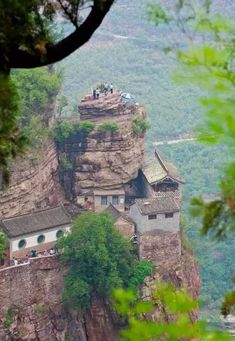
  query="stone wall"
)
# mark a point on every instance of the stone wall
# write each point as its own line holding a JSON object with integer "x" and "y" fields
{"x": 38, "y": 313}
{"x": 34, "y": 184}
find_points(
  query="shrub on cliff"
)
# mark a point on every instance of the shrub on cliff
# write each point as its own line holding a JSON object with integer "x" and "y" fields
{"x": 139, "y": 126}
{"x": 108, "y": 126}
{"x": 99, "y": 260}
{"x": 3, "y": 243}
{"x": 64, "y": 129}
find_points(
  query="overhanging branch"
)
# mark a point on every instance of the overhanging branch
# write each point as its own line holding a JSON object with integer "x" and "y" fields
{"x": 62, "y": 49}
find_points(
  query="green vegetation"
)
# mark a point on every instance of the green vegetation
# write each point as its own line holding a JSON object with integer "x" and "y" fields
{"x": 108, "y": 126}
{"x": 3, "y": 243}
{"x": 64, "y": 163}
{"x": 86, "y": 126}
{"x": 64, "y": 129}
{"x": 176, "y": 302}
{"x": 36, "y": 132}
{"x": 139, "y": 126}
{"x": 8, "y": 318}
{"x": 40, "y": 308}
{"x": 99, "y": 260}
{"x": 37, "y": 89}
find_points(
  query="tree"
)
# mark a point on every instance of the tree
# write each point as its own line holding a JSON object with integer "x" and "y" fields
{"x": 99, "y": 260}
{"x": 176, "y": 304}
{"x": 27, "y": 41}
{"x": 3, "y": 243}
{"x": 209, "y": 63}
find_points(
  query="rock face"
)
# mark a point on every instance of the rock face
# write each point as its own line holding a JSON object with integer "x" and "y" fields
{"x": 36, "y": 309}
{"x": 34, "y": 185}
{"x": 104, "y": 159}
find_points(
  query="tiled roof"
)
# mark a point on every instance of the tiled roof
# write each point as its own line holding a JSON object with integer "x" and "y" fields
{"x": 36, "y": 221}
{"x": 164, "y": 204}
{"x": 156, "y": 170}
{"x": 117, "y": 214}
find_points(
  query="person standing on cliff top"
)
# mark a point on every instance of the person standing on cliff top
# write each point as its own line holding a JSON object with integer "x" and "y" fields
{"x": 111, "y": 88}
{"x": 97, "y": 93}
{"x": 94, "y": 93}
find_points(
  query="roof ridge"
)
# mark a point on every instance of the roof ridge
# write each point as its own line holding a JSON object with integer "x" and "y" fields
{"x": 161, "y": 161}
{"x": 37, "y": 211}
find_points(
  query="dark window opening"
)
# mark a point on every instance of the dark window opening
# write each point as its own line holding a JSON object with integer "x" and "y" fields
{"x": 41, "y": 239}
{"x": 22, "y": 244}
{"x": 152, "y": 216}
{"x": 115, "y": 200}
{"x": 169, "y": 215}
{"x": 59, "y": 234}
{"x": 104, "y": 200}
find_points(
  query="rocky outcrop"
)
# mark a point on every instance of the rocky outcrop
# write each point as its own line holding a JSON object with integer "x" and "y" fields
{"x": 104, "y": 159}
{"x": 34, "y": 183}
{"x": 35, "y": 312}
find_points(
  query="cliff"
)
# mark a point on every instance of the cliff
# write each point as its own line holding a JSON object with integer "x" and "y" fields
{"x": 34, "y": 183}
{"x": 35, "y": 311}
{"x": 103, "y": 159}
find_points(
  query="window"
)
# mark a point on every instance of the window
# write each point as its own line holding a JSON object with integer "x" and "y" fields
{"x": 41, "y": 239}
{"x": 152, "y": 216}
{"x": 169, "y": 215}
{"x": 115, "y": 200}
{"x": 59, "y": 234}
{"x": 104, "y": 200}
{"x": 22, "y": 244}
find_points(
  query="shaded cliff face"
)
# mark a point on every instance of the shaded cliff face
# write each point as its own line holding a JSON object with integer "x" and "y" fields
{"x": 34, "y": 184}
{"x": 104, "y": 159}
{"x": 37, "y": 311}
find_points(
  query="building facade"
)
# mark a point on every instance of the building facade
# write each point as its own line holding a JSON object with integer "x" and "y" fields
{"x": 35, "y": 231}
{"x": 160, "y": 213}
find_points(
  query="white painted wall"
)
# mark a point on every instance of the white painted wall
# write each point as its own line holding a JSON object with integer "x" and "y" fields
{"x": 31, "y": 239}
{"x": 161, "y": 223}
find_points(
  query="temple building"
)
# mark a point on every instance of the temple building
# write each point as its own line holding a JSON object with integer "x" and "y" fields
{"x": 38, "y": 230}
{"x": 161, "y": 175}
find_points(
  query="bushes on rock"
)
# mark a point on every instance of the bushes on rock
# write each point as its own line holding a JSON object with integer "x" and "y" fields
{"x": 108, "y": 126}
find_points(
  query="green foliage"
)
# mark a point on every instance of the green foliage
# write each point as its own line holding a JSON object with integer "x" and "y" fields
{"x": 36, "y": 133}
{"x": 86, "y": 126}
{"x": 140, "y": 272}
{"x": 12, "y": 140}
{"x": 37, "y": 90}
{"x": 64, "y": 163}
{"x": 99, "y": 260}
{"x": 8, "y": 318}
{"x": 139, "y": 126}
{"x": 3, "y": 243}
{"x": 177, "y": 302}
{"x": 108, "y": 126}
{"x": 62, "y": 131}
{"x": 39, "y": 308}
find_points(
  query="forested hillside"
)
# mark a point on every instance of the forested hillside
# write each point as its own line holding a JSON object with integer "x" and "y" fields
{"x": 126, "y": 51}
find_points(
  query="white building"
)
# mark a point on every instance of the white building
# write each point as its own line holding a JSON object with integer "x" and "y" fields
{"x": 152, "y": 214}
{"x": 35, "y": 231}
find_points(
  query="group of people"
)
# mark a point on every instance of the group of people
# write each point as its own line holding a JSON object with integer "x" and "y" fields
{"x": 33, "y": 254}
{"x": 104, "y": 88}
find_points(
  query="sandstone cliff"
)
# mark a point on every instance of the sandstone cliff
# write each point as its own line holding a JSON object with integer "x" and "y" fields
{"x": 103, "y": 159}
{"x": 34, "y": 184}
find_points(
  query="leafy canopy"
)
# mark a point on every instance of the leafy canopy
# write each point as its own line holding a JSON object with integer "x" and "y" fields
{"x": 99, "y": 260}
{"x": 172, "y": 302}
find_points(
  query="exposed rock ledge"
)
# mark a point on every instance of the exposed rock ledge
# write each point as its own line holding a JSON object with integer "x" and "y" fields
{"x": 34, "y": 185}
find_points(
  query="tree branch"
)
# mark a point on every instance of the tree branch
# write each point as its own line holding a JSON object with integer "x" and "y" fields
{"x": 62, "y": 49}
